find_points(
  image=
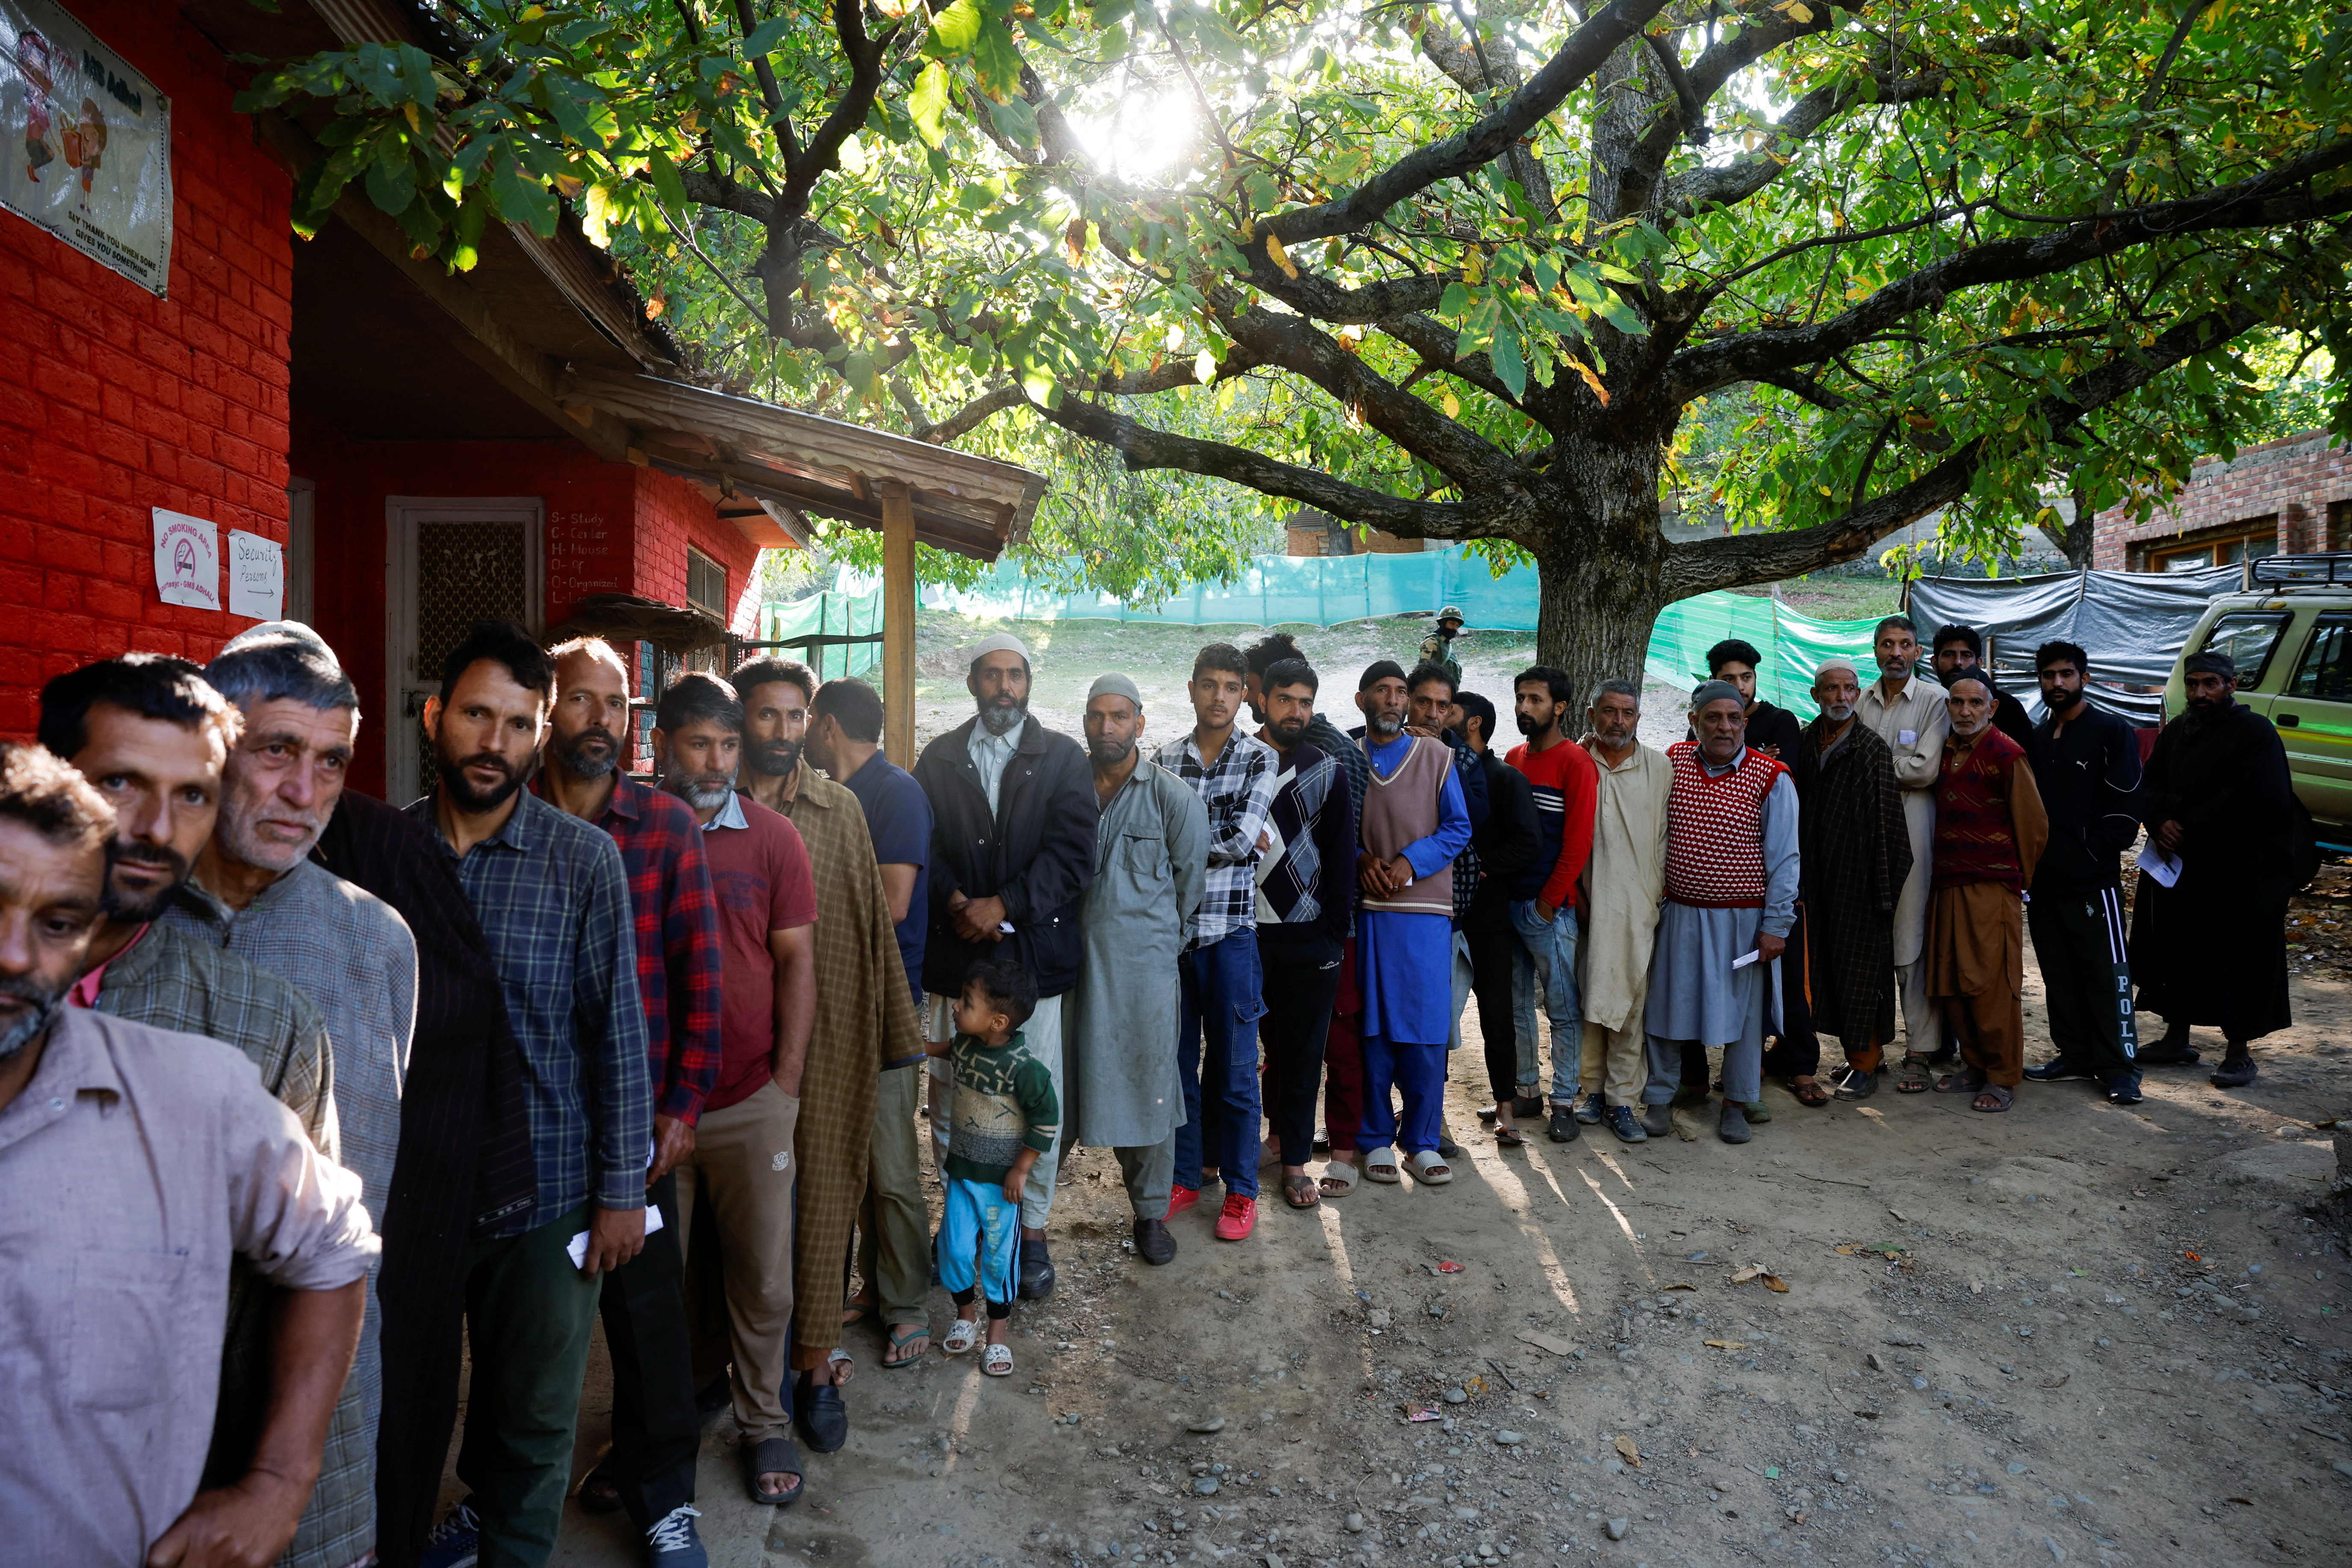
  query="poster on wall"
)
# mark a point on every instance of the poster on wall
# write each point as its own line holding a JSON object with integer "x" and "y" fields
{"x": 85, "y": 143}
{"x": 257, "y": 576}
{"x": 188, "y": 560}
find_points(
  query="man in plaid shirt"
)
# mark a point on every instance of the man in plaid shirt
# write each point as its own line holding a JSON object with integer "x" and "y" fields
{"x": 1237, "y": 776}
{"x": 656, "y": 1432}
{"x": 553, "y": 900}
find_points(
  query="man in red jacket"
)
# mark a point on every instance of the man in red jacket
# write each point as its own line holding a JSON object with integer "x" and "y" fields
{"x": 1543, "y": 898}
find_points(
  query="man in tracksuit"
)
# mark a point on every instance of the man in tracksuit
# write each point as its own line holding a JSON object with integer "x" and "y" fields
{"x": 2087, "y": 762}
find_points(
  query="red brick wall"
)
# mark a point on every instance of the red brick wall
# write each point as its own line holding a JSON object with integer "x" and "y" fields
{"x": 113, "y": 401}
{"x": 2297, "y": 480}
{"x": 671, "y": 514}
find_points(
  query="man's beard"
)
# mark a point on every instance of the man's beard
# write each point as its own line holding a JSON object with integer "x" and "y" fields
{"x": 2208, "y": 711}
{"x": 772, "y": 759}
{"x": 129, "y": 909}
{"x": 1837, "y": 712}
{"x": 1385, "y": 726}
{"x": 1106, "y": 752}
{"x": 1896, "y": 670}
{"x": 1003, "y": 715}
{"x": 245, "y": 843}
{"x": 704, "y": 792}
{"x": 461, "y": 790}
{"x": 589, "y": 756}
{"x": 1528, "y": 725}
{"x": 1614, "y": 739}
{"x": 1288, "y": 733}
{"x": 47, "y": 1005}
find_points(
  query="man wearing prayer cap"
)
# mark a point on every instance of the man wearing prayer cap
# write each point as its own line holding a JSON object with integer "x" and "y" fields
{"x": 1855, "y": 853}
{"x": 2212, "y": 948}
{"x": 1121, "y": 1087}
{"x": 1731, "y": 893}
{"x": 1013, "y": 815}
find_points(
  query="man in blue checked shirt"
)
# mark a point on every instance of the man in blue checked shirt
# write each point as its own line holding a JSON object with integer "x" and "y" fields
{"x": 1237, "y": 776}
{"x": 553, "y": 901}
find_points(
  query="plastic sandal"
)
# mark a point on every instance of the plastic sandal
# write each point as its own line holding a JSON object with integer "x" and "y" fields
{"x": 997, "y": 1361}
{"x": 1338, "y": 1179}
{"x": 1509, "y": 1137}
{"x": 1300, "y": 1192}
{"x": 1380, "y": 1166}
{"x": 1967, "y": 1080}
{"x": 1430, "y": 1169}
{"x": 1911, "y": 1076}
{"x": 899, "y": 1342}
{"x": 961, "y": 1338}
{"x": 2002, "y": 1097}
{"x": 1809, "y": 1091}
{"x": 773, "y": 1456}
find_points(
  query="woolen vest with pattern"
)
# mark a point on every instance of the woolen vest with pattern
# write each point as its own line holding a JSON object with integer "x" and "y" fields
{"x": 1715, "y": 830}
{"x": 1402, "y": 809}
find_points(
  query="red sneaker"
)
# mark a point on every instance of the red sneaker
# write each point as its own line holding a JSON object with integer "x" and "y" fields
{"x": 1181, "y": 1198}
{"x": 1239, "y": 1219}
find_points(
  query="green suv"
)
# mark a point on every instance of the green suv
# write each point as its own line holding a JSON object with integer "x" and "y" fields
{"x": 2291, "y": 638}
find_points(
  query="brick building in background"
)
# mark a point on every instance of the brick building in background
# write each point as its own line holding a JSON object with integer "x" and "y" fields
{"x": 2283, "y": 497}
{"x": 403, "y": 434}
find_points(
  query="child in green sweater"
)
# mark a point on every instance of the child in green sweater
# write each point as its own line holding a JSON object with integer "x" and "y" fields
{"x": 1005, "y": 1115}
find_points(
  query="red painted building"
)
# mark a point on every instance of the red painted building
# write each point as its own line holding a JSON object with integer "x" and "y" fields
{"x": 400, "y": 431}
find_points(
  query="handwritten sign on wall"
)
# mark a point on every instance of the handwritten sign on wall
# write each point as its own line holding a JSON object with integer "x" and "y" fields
{"x": 257, "y": 576}
{"x": 584, "y": 556}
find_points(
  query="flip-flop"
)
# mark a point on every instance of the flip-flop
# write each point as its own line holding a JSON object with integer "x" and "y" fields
{"x": 1338, "y": 1179}
{"x": 1509, "y": 1137}
{"x": 899, "y": 1342}
{"x": 1300, "y": 1192}
{"x": 852, "y": 1313}
{"x": 997, "y": 1361}
{"x": 1430, "y": 1169}
{"x": 773, "y": 1456}
{"x": 1808, "y": 1092}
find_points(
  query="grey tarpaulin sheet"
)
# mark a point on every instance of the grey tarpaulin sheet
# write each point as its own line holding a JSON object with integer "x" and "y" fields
{"x": 2132, "y": 624}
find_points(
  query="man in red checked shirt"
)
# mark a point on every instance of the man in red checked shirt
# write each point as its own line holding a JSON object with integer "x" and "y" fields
{"x": 656, "y": 1432}
{"x": 1543, "y": 898}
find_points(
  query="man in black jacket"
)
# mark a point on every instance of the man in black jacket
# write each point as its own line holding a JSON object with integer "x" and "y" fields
{"x": 1508, "y": 844}
{"x": 1960, "y": 647}
{"x": 2212, "y": 948}
{"x": 2086, "y": 765}
{"x": 1013, "y": 849}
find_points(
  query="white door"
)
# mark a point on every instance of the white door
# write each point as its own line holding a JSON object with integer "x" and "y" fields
{"x": 450, "y": 561}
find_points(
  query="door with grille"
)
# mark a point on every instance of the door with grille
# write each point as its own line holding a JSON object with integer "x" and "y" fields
{"x": 450, "y": 562}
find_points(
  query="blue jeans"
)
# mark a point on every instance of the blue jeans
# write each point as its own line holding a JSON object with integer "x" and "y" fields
{"x": 1546, "y": 956}
{"x": 1223, "y": 998}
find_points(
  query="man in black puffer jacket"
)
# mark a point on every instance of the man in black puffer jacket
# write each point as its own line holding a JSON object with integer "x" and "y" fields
{"x": 1013, "y": 849}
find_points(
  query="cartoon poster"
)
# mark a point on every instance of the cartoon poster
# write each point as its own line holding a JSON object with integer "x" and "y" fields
{"x": 188, "y": 560}
{"x": 85, "y": 143}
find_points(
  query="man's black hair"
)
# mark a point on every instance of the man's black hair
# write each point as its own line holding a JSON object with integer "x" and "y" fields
{"x": 38, "y": 792}
{"x": 1428, "y": 670}
{"x": 1222, "y": 656}
{"x": 2051, "y": 653}
{"x": 854, "y": 706}
{"x": 1271, "y": 649}
{"x": 144, "y": 685}
{"x": 506, "y": 643}
{"x": 1378, "y": 670}
{"x": 1552, "y": 678}
{"x": 1956, "y": 633}
{"x": 1288, "y": 673}
{"x": 697, "y": 698}
{"x": 1904, "y": 623}
{"x": 1477, "y": 707}
{"x": 1006, "y": 984}
{"x": 755, "y": 672}
{"x": 1732, "y": 650}
{"x": 282, "y": 669}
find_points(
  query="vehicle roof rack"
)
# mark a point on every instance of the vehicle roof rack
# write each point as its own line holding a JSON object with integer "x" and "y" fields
{"x": 2303, "y": 571}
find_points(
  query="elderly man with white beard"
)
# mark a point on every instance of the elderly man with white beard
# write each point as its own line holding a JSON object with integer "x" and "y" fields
{"x": 255, "y": 890}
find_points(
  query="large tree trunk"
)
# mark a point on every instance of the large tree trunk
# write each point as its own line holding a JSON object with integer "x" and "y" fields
{"x": 1601, "y": 564}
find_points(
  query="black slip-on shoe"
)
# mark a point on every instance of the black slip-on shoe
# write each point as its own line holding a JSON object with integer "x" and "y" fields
{"x": 821, "y": 1414}
{"x": 1657, "y": 1120}
{"x": 2235, "y": 1072}
{"x": 2056, "y": 1069}
{"x": 1153, "y": 1242}
{"x": 1733, "y": 1127}
{"x": 1036, "y": 1271}
{"x": 1562, "y": 1127}
{"x": 1856, "y": 1085}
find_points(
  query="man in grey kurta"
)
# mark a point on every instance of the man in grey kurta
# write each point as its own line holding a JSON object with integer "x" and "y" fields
{"x": 255, "y": 892}
{"x": 1731, "y": 895}
{"x": 1151, "y": 858}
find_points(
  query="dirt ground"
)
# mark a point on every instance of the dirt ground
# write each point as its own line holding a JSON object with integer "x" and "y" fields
{"x": 2073, "y": 1331}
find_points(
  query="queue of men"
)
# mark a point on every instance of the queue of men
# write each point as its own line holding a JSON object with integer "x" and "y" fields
{"x": 577, "y": 1047}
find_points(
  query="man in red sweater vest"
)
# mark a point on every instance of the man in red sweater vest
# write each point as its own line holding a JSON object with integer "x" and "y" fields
{"x": 1989, "y": 830}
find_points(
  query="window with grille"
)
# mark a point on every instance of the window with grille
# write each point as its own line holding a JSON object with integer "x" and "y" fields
{"x": 706, "y": 583}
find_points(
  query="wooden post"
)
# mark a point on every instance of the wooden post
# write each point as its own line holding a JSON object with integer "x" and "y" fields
{"x": 897, "y": 622}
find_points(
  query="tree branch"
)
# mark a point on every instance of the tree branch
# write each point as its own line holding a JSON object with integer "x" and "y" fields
{"x": 2275, "y": 196}
{"x": 971, "y": 416}
{"x": 1481, "y": 143}
{"x": 1700, "y": 566}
